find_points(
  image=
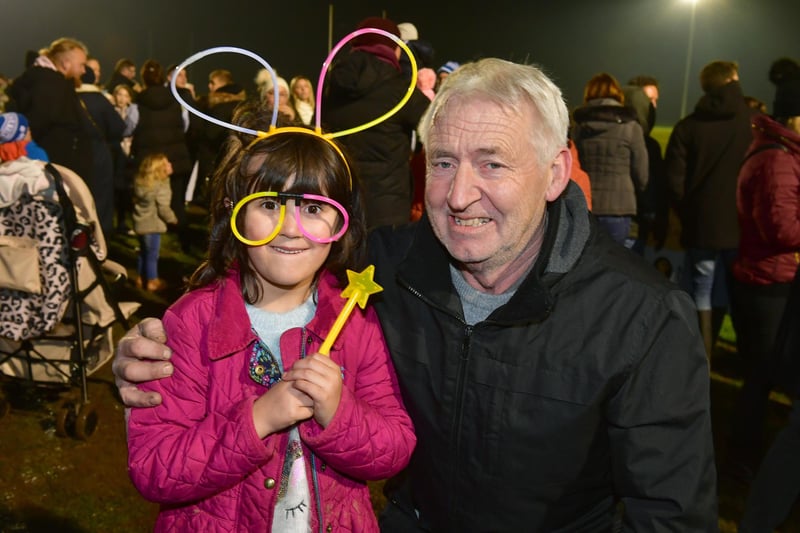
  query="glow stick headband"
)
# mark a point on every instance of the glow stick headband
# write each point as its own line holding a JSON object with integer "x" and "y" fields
{"x": 273, "y": 129}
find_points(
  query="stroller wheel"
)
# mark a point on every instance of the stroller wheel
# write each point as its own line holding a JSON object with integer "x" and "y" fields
{"x": 86, "y": 422}
{"x": 65, "y": 419}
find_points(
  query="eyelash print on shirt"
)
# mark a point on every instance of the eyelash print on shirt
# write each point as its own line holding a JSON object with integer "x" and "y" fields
{"x": 299, "y": 508}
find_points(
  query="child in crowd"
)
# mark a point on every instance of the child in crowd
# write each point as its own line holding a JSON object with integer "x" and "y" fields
{"x": 123, "y": 96}
{"x": 258, "y": 431}
{"x": 301, "y": 97}
{"x": 151, "y": 214}
{"x": 129, "y": 111}
{"x": 16, "y": 140}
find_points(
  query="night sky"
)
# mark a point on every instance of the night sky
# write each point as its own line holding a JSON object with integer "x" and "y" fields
{"x": 571, "y": 40}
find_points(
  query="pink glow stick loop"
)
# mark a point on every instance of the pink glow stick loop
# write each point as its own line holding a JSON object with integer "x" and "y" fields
{"x": 326, "y": 65}
{"x": 320, "y": 84}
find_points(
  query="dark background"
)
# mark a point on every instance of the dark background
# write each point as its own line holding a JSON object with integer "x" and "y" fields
{"x": 571, "y": 40}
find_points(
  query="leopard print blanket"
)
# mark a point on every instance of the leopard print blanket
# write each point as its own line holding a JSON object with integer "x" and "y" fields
{"x": 25, "y": 315}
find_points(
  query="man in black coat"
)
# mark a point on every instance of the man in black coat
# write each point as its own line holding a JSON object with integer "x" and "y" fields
{"x": 702, "y": 161}
{"x": 45, "y": 94}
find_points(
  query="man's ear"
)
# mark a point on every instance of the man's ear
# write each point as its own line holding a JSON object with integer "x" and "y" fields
{"x": 559, "y": 172}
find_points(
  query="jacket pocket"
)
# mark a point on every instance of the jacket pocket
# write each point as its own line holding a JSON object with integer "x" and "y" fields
{"x": 19, "y": 264}
{"x": 537, "y": 424}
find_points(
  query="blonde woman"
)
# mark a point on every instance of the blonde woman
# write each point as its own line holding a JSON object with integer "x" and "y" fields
{"x": 301, "y": 97}
{"x": 151, "y": 214}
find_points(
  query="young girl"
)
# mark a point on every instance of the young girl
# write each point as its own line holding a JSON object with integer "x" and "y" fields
{"x": 123, "y": 104}
{"x": 151, "y": 214}
{"x": 258, "y": 431}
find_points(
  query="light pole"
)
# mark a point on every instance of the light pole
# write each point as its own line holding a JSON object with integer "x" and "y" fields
{"x": 688, "y": 59}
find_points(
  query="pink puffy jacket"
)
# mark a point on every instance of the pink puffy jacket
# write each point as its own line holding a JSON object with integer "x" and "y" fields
{"x": 198, "y": 453}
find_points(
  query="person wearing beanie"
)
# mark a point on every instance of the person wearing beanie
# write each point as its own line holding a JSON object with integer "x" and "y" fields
{"x": 422, "y": 49}
{"x": 285, "y": 108}
{"x": 767, "y": 299}
{"x": 16, "y": 140}
{"x": 360, "y": 86}
{"x": 13, "y": 127}
{"x": 444, "y": 71}
{"x": 786, "y": 107}
{"x": 448, "y": 68}
{"x": 783, "y": 69}
{"x": 408, "y": 32}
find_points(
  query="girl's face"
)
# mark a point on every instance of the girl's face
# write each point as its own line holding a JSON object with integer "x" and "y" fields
{"x": 302, "y": 90}
{"x": 122, "y": 98}
{"x": 288, "y": 264}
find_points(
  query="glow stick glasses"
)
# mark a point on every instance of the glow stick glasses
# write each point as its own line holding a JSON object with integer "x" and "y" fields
{"x": 258, "y": 218}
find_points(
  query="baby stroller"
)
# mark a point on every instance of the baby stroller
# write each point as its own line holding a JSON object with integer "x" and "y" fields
{"x": 56, "y": 306}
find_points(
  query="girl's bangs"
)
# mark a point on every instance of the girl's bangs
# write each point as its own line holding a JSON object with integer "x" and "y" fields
{"x": 306, "y": 166}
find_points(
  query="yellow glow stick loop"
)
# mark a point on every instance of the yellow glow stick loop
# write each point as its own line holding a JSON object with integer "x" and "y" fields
{"x": 359, "y": 287}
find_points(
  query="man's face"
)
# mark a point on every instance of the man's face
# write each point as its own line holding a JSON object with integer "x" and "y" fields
{"x": 72, "y": 64}
{"x": 486, "y": 191}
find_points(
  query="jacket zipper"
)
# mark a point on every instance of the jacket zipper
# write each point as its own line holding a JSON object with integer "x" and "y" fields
{"x": 456, "y": 425}
{"x": 314, "y": 478}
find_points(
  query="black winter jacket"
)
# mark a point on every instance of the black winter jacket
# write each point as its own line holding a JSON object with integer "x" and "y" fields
{"x": 49, "y": 102}
{"x": 360, "y": 88}
{"x": 704, "y": 154}
{"x": 588, "y": 386}
{"x": 161, "y": 129}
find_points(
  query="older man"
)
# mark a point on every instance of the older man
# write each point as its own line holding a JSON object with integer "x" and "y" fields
{"x": 554, "y": 380}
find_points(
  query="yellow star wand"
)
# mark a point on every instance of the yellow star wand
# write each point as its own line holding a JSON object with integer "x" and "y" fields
{"x": 360, "y": 285}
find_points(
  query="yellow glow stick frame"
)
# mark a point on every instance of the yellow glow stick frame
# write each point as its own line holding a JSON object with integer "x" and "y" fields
{"x": 360, "y": 285}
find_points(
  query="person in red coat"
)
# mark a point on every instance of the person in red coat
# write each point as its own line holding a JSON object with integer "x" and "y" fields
{"x": 768, "y": 203}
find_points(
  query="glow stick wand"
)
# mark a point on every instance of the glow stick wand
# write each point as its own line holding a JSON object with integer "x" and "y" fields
{"x": 359, "y": 287}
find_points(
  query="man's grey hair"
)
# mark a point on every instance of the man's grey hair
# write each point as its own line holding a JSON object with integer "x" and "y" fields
{"x": 509, "y": 85}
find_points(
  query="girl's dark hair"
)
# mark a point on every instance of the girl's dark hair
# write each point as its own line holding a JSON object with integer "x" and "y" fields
{"x": 268, "y": 165}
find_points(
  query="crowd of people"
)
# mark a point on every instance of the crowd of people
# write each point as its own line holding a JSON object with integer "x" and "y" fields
{"x": 520, "y": 345}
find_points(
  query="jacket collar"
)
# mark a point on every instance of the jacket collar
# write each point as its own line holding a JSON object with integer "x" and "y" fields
{"x": 425, "y": 268}
{"x": 230, "y": 330}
